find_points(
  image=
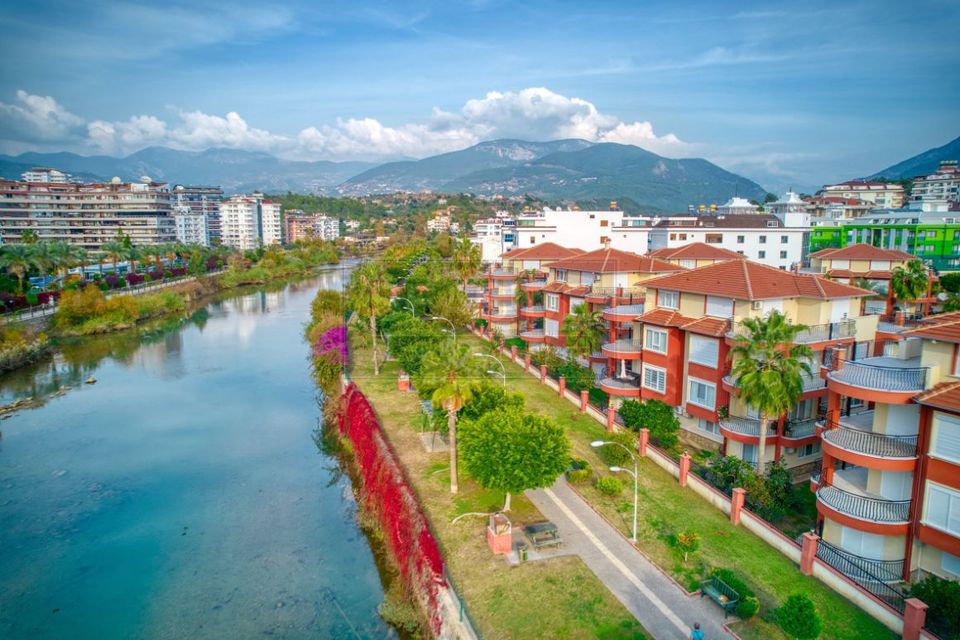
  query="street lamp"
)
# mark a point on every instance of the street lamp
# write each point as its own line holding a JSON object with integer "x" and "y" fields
{"x": 503, "y": 370}
{"x": 412, "y": 313}
{"x": 636, "y": 476}
{"x": 453, "y": 330}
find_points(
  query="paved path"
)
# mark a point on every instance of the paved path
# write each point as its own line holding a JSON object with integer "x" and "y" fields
{"x": 660, "y": 605}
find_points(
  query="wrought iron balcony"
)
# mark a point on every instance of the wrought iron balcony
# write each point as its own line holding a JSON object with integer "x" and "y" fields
{"x": 870, "y": 443}
{"x": 882, "y": 374}
{"x": 813, "y": 333}
{"x": 800, "y": 429}
{"x": 864, "y": 507}
{"x": 876, "y": 576}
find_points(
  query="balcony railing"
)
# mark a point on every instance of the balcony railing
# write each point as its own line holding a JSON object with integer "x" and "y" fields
{"x": 508, "y": 314}
{"x": 537, "y": 308}
{"x": 746, "y": 426}
{"x": 627, "y": 384}
{"x": 884, "y": 378}
{"x": 625, "y": 310}
{"x": 869, "y": 443}
{"x": 502, "y": 271}
{"x": 814, "y": 333}
{"x": 875, "y": 576}
{"x": 800, "y": 429}
{"x": 532, "y": 334}
{"x": 623, "y": 346}
{"x": 864, "y": 507}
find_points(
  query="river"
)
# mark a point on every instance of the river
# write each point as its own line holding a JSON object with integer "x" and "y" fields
{"x": 181, "y": 495}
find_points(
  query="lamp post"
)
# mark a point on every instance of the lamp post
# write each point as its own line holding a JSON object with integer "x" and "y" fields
{"x": 453, "y": 330}
{"x": 599, "y": 443}
{"x": 503, "y": 370}
{"x": 412, "y": 313}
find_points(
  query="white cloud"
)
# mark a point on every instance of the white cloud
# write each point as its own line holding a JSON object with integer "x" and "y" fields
{"x": 37, "y": 118}
{"x": 529, "y": 114}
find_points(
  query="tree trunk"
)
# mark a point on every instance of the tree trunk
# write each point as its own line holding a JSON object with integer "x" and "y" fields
{"x": 373, "y": 343}
{"x": 762, "y": 447}
{"x": 452, "y": 429}
{"x": 506, "y": 502}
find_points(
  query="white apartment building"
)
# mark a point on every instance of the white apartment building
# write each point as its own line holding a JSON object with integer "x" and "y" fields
{"x": 202, "y": 200}
{"x": 191, "y": 227}
{"x": 494, "y": 236}
{"x": 879, "y": 194}
{"x": 45, "y": 174}
{"x": 249, "y": 222}
{"x": 737, "y": 206}
{"x": 327, "y": 228}
{"x": 586, "y": 230}
{"x": 86, "y": 215}
{"x": 942, "y": 187}
{"x": 762, "y": 238}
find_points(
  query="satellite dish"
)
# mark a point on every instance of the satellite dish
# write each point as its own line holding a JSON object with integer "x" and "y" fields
{"x": 145, "y": 179}
{"x": 116, "y": 180}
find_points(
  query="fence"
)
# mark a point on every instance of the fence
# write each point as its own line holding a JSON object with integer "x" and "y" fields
{"x": 872, "y": 575}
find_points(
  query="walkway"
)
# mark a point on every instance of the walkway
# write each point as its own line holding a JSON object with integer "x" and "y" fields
{"x": 656, "y": 601}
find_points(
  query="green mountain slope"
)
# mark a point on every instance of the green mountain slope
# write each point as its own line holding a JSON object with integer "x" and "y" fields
{"x": 921, "y": 164}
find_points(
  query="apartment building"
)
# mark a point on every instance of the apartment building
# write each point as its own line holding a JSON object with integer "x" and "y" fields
{"x": 888, "y": 495}
{"x": 831, "y": 208}
{"x": 683, "y": 342}
{"x": 587, "y": 229}
{"x": 863, "y": 263}
{"x": 763, "y": 238}
{"x": 45, "y": 174}
{"x": 494, "y": 236}
{"x": 250, "y": 222}
{"x": 607, "y": 279}
{"x": 878, "y": 194}
{"x": 738, "y": 206}
{"x": 191, "y": 226}
{"x": 941, "y": 187}
{"x": 522, "y": 269}
{"x": 299, "y": 226}
{"x": 204, "y": 201}
{"x": 87, "y": 215}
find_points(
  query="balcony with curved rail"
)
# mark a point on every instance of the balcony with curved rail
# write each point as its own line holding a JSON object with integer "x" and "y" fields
{"x": 623, "y": 313}
{"x": 500, "y": 315}
{"x": 533, "y": 285}
{"x": 879, "y": 379}
{"x": 812, "y": 384}
{"x": 813, "y": 334}
{"x": 622, "y": 349}
{"x": 533, "y": 335}
{"x": 502, "y": 273}
{"x": 846, "y": 500}
{"x": 746, "y": 430}
{"x": 535, "y": 311}
{"x": 852, "y": 439}
{"x": 798, "y": 433}
{"x": 502, "y": 293}
{"x": 621, "y": 386}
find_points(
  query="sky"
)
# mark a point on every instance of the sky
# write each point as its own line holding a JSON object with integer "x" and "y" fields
{"x": 803, "y": 93}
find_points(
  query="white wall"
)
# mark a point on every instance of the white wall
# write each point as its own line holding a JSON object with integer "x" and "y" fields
{"x": 751, "y": 246}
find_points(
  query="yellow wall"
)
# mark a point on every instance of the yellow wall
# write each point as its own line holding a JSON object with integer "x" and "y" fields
{"x": 692, "y": 305}
{"x": 894, "y": 547}
{"x": 939, "y": 357}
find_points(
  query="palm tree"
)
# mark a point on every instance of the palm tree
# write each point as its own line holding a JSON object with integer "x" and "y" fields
{"x": 29, "y": 236}
{"x": 132, "y": 254}
{"x": 369, "y": 295}
{"x": 910, "y": 283}
{"x": 584, "y": 330}
{"x": 466, "y": 260}
{"x": 769, "y": 367}
{"x": 452, "y": 371}
{"x": 18, "y": 259}
{"x": 45, "y": 259}
{"x": 115, "y": 249}
{"x": 64, "y": 256}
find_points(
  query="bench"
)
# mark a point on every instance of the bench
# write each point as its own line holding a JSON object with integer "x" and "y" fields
{"x": 718, "y": 591}
{"x": 542, "y": 534}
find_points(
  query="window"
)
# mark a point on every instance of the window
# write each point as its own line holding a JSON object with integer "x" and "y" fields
{"x": 945, "y": 443}
{"x": 784, "y": 239}
{"x": 771, "y": 223}
{"x": 942, "y": 507}
{"x": 865, "y": 545}
{"x": 740, "y": 239}
{"x": 749, "y": 453}
{"x": 763, "y": 239}
{"x": 719, "y": 307}
{"x": 561, "y": 275}
{"x": 702, "y": 393}
{"x": 668, "y": 299}
{"x": 930, "y": 234}
{"x": 762, "y": 254}
{"x": 655, "y": 378}
{"x": 950, "y": 563}
{"x": 574, "y": 303}
{"x": 683, "y": 236}
{"x": 714, "y": 238}
{"x": 551, "y": 302}
{"x": 709, "y": 427}
{"x": 673, "y": 236}
{"x": 783, "y": 255}
{"x": 551, "y": 328}
{"x": 704, "y": 350}
{"x": 603, "y": 223}
{"x": 655, "y": 340}
{"x": 690, "y": 264}
{"x": 808, "y": 450}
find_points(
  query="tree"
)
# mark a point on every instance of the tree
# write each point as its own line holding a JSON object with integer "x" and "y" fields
{"x": 584, "y": 330}
{"x": 798, "y": 617}
{"x": 450, "y": 373}
{"x": 65, "y": 255}
{"x": 29, "y": 236}
{"x": 910, "y": 283}
{"x": 18, "y": 259}
{"x": 512, "y": 451}
{"x": 952, "y": 303}
{"x": 451, "y": 303}
{"x": 654, "y": 415}
{"x": 466, "y": 260}
{"x": 132, "y": 254}
{"x": 687, "y": 542}
{"x": 768, "y": 367}
{"x": 489, "y": 397}
{"x": 368, "y": 295}
{"x": 115, "y": 250}
{"x": 45, "y": 259}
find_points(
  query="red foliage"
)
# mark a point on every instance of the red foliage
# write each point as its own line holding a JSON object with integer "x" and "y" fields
{"x": 388, "y": 496}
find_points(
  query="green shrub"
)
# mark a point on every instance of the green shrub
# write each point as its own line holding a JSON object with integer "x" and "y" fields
{"x": 599, "y": 398}
{"x": 609, "y": 486}
{"x": 733, "y": 581}
{"x": 747, "y": 607}
{"x": 798, "y": 618}
{"x": 518, "y": 343}
{"x": 614, "y": 456}
{"x": 579, "y": 476}
{"x": 943, "y": 598}
{"x": 654, "y": 415}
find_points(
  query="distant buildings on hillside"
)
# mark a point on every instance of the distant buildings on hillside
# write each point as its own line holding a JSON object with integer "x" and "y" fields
{"x": 299, "y": 226}
{"x": 250, "y": 222}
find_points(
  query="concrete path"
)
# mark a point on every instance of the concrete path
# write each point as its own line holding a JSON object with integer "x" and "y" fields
{"x": 660, "y": 605}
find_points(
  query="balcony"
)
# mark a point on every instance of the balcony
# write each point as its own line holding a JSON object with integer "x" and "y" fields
{"x": 502, "y": 293}
{"x": 501, "y": 273}
{"x": 745, "y": 429}
{"x": 894, "y": 452}
{"x": 533, "y": 335}
{"x": 882, "y": 373}
{"x": 533, "y": 285}
{"x": 622, "y": 349}
{"x": 623, "y": 313}
{"x": 848, "y": 496}
{"x": 800, "y": 430}
{"x": 501, "y": 315}
{"x": 629, "y": 295}
{"x": 813, "y": 333}
{"x": 536, "y": 311}
{"x": 615, "y": 386}
{"x": 811, "y": 383}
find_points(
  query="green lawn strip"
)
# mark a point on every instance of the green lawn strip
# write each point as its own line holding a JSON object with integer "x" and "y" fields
{"x": 559, "y": 598}
{"x": 666, "y": 509}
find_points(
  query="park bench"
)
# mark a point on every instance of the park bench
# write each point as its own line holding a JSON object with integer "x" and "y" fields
{"x": 718, "y": 591}
{"x": 542, "y": 534}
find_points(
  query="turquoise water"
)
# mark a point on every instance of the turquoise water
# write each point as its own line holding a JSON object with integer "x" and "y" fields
{"x": 182, "y": 495}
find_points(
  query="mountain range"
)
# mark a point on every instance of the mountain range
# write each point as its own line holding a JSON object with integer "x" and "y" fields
{"x": 921, "y": 164}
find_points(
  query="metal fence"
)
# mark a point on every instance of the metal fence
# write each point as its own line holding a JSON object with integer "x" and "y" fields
{"x": 870, "y": 443}
{"x": 875, "y": 576}
{"x": 865, "y": 507}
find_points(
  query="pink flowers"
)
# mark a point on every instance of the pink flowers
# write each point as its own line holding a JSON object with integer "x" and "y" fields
{"x": 333, "y": 343}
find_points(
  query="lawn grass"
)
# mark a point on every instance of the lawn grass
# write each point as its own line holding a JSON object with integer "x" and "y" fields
{"x": 666, "y": 509}
{"x": 558, "y": 598}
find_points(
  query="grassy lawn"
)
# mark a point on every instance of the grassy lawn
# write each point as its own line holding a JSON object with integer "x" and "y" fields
{"x": 666, "y": 509}
{"x": 559, "y": 598}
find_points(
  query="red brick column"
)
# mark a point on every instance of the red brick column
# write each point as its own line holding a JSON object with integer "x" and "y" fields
{"x": 513, "y": 352}
{"x": 808, "y": 552}
{"x": 483, "y": 330}
{"x": 584, "y": 400}
{"x": 543, "y": 374}
{"x": 611, "y": 419}
{"x": 736, "y": 504}
{"x": 526, "y": 362}
{"x": 643, "y": 442}
{"x": 684, "y": 469}
{"x": 403, "y": 382}
{"x": 914, "y": 617}
{"x": 562, "y": 383}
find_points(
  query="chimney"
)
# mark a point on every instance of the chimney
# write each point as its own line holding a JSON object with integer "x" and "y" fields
{"x": 606, "y": 243}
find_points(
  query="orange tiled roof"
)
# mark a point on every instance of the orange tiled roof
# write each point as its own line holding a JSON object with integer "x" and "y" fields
{"x": 941, "y": 317}
{"x": 747, "y": 280}
{"x": 615, "y": 261}
{"x": 862, "y": 252}
{"x": 545, "y": 251}
{"x": 945, "y": 395}
{"x": 869, "y": 275}
{"x": 666, "y": 318}
{"x": 563, "y": 287}
{"x": 946, "y": 330}
{"x": 696, "y": 251}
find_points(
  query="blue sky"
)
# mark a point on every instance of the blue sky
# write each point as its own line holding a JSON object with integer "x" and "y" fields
{"x": 802, "y": 92}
